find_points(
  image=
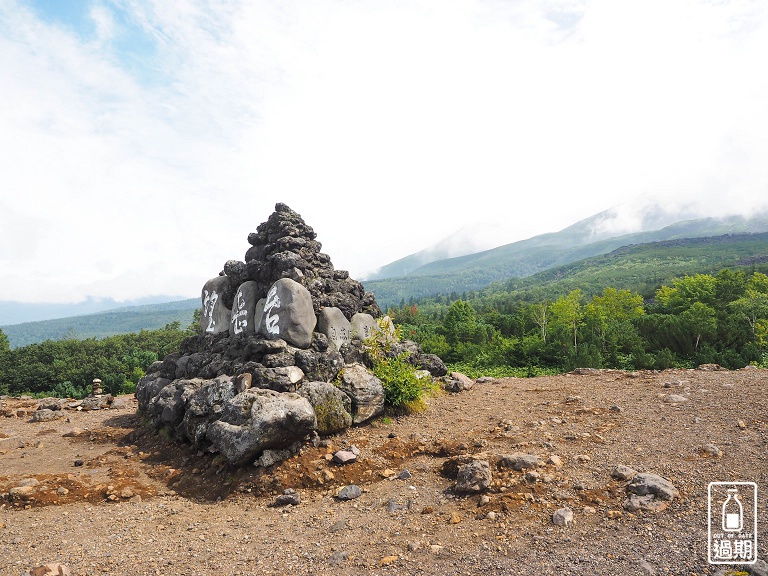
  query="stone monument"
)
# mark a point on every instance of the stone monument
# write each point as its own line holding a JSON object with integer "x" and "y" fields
{"x": 275, "y": 330}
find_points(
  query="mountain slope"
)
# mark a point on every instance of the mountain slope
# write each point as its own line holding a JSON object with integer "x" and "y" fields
{"x": 102, "y": 324}
{"x": 528, "y": 257}
{"x": 644, "y": 267}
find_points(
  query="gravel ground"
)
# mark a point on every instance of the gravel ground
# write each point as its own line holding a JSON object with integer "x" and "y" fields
{"x": 113, "y": 497}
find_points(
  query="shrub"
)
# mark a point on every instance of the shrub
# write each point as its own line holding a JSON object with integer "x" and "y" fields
{"x": 401, "y": 386}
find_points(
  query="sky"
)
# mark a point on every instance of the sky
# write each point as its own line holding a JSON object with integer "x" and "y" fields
{"x": 142, "y": 140}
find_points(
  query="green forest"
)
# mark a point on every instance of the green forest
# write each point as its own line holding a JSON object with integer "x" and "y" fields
{"x": 696, "y": 319}
{"x": 66, "y": 368}
{"x": 522, "y": 327}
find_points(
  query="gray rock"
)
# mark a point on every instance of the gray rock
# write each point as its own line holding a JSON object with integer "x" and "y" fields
{"x": 646, "y": 483}
{"x": 288, "y": 314}
{"x": 675, "y": 399}
{"x": 121, "y": 403}
{"x": 458, "y": 382}
{"x": 759, "y": 568}
{"x": 149, "y": 387}
{"x": 289, "y": 497}
{"x": 319, "y": 365}
{"x": 205, "y": 406}
{"x": 474, "y": 476}
{"x": 432, "y": 364}
{"x": 271, "y": 457}
{"x": 338, "y": 557}
{"x": 344, "y": 457}
{"x": 52, "y": 403}
{"x": 621, "y": 472}
{"x": 363, "y": 326}
{"x": 393, "y": 506}
{"x": 562, "y": 517}
{"x": 518, "y": 461}
{"x": 216, "y": 299}
{"x": 244, "y": 309}
{"x": 46, "y": 415}
{"x": 364, "y": 390}
{"x": 332, "y": 323}
{"x": 282, "y": 379}
{"x": 169, "y": 406}
{"x": 710, "y": 450}
{"x": 349, "y": 492}
{"x": 648, "y": 503}
{"x": 256, "y": 420}
{"x": 332, "y": 407}
{"x": 29, "y": 482}
{"x": 101, "y": 402}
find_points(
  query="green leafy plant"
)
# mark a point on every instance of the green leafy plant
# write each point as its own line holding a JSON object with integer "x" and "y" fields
{"x": 402, "y": 387}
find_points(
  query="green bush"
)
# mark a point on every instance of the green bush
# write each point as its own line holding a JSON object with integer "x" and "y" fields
{"x": 401, "y": 386}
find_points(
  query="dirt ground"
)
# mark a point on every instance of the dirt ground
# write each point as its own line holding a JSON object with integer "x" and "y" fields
{"x": 105, "y": 495}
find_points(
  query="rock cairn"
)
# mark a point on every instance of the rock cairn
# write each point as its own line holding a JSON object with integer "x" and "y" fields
{"x": 276, "y": 330}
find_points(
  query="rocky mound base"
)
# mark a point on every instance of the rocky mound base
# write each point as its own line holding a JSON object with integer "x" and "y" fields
{"x": 282, "y": 356}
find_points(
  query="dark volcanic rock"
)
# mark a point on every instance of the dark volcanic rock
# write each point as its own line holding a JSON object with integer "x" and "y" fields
{"x": 283, "y": 320}
{"x": 259, "y": 419}
{"x": 285, "y": 247}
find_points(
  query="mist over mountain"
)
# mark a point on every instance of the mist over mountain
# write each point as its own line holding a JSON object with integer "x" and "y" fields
{"x": 628, "y": 218}
{"x": 19, "y": 312}
{"x": 455, "y": 264}
{"x": 587, "y": 238}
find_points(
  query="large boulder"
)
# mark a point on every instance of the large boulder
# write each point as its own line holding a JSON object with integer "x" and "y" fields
{"x": 365, "y": 390}
{"x": 279, "y": 379}
{"x": 288, "y": 314}
{"x": 205, "y": 406}
{"x": 243, "y": 309}
{"x": 148, "y": 388}
{"x": 332, "y": 406}
{"x": 217, "y": 296}
{"x": 168, "y": 407}
{"x": 256, "y": 420}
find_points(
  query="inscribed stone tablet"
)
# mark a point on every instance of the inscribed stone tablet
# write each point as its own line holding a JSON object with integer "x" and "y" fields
{"x": 243, "y": 309}
{"x": 214, "y": 315}
{"x": 332, "y": 323}
{"x": 363, "y": 326}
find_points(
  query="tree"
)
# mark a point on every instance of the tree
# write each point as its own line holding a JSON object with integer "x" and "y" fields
{"x": 700, "y": 320}
{"x": 752, "y": 307}
{"x": 4, "y": 344}
{"x": 684, "y": 292}
{"x": 460, "y": 323}
{"x": 609, "y": 318}
{"x": 539, "y": 313}
{"x": 567, "y": 314}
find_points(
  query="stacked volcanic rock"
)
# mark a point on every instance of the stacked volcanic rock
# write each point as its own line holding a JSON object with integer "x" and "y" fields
{"x": 276, "y": 330}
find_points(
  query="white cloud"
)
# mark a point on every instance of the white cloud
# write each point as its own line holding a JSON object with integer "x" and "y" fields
{"x": 130, "y": 172}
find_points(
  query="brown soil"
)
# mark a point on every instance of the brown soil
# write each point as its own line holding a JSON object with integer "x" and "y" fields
{"x": 121, "y": 499}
